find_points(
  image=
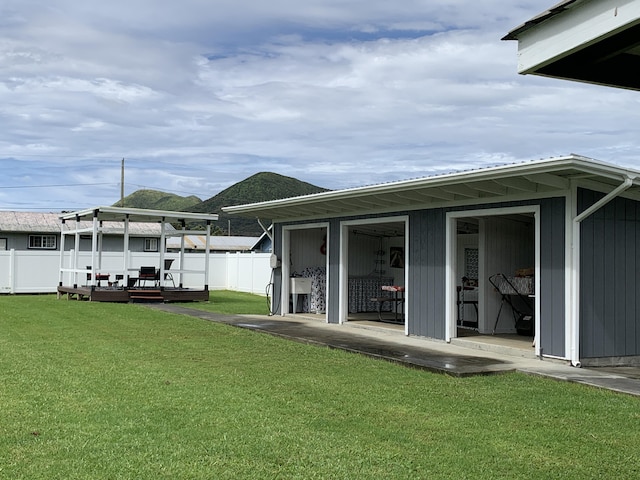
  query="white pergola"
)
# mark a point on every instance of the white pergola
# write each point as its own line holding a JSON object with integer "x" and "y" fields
{"x": 91, "y": 221}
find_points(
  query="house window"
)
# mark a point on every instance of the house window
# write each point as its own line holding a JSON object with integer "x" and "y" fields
{"x": 46, "y": 242}
{"x": 150, "y": 244}
{"x": 3, "y": 243}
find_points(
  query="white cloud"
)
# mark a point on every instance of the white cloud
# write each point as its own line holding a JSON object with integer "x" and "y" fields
{"x": 197, "y": 95}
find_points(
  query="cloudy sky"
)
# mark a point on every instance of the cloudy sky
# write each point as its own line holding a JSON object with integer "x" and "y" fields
{"x": 197, "y": 95}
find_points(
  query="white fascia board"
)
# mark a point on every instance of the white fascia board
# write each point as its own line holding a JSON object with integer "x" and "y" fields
{"x": 346, "y": 194}
{"x": 573, "y": 29}
{"x": 288, "y": 209}
{"x": 136, "y": 214}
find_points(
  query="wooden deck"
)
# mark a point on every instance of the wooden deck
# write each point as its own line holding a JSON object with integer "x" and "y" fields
{"x": 126, "y": 295}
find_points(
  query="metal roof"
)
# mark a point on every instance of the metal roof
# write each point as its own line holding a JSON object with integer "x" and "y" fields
{"x": 119, "y": 214}
{"x": 517, "y": 181}
{"x": 546, "y": 15}
{"x": 40, "y": 222}
{"x": 216, "y": 242}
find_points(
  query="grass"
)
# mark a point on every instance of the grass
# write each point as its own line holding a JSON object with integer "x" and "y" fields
{"x": 108, "y": 391}
{"x": 229, "y": 303}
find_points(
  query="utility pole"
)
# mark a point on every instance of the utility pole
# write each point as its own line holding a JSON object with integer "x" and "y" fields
{"x": 122, "y": 184}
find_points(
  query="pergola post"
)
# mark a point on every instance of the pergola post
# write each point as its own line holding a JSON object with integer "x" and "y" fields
{"x": 76, "y": 252}
{"x": 182, "y": 242}
{"x": 61, "y": 275}
{"x": 94, "y": 248}
{"x": 125, "y": 273}
{"x": 207, "y": 249}
{"x": 163, "y": 236}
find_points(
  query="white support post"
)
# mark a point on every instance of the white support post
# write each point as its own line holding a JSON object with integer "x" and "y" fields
{"x": 182, "y": 242}
{"x": 61, "y": 274}
{"x": 125, "y": 273}
{"x": 206, "y": 256}
{"x": 76, "y": 252}
{"x": 161, "y": 247}
{"x": 99, "y": 265}
{"x": 94, "y": 248}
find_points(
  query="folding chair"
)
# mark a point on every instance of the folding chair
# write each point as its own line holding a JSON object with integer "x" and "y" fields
{"x": 167, "y": 266}
{"x": 148, "y": 273}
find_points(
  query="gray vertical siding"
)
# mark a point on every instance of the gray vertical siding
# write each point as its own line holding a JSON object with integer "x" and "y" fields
{"x": 609, "y": 278}
{"x": 333, "y": 275}
{"x": 552, "y": 276}
{"x": 427, "y": 263}
{"x": 427, "y": 272}
{"x": 427, "y": 247}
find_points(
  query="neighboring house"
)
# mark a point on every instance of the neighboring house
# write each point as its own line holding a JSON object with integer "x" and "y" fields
{"x": 41, "y": 231}
{"x": 264, "y": 243}
{"x": 197, "y": 243}
{"x": 565, "y": 230}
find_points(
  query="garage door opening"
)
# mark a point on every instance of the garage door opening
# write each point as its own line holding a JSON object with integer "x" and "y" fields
{"x": 374, "y": 274}
{"x": 304, "y": 265}
{"x": 493, "y": 259}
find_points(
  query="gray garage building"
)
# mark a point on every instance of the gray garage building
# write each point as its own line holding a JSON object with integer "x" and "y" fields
{"x": 553, "y": 242}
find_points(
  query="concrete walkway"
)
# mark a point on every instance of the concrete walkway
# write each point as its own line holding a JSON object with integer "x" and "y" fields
{"x": 414, "y": 352}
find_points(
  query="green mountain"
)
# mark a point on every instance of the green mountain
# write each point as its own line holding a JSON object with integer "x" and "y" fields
{"x": 260, "y": 187}
{"x": 155, "y": 200}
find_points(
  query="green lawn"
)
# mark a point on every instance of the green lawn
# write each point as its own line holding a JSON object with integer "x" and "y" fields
{"x": 229, "y": 303}
{"x": 109, "y": 391}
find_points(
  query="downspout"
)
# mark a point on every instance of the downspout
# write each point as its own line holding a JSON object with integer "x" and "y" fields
{"x": 575, "y": 350}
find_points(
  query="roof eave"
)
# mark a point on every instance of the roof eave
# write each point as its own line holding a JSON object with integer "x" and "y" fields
{"x": 312, "y": 205}
{"x": 538, "y": 19}
{"x": 137, "y": 215}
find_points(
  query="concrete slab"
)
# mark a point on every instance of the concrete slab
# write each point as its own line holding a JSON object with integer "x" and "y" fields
{"x": 435, "y": 356}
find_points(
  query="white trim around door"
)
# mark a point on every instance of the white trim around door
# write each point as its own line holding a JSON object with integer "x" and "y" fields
{"x": 450, "y": 269}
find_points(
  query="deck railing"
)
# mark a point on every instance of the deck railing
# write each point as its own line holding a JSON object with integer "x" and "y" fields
{"x": 39, "y": 271}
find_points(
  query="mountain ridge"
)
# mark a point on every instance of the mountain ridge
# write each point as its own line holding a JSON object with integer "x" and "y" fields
{"x": 260, "y": 187}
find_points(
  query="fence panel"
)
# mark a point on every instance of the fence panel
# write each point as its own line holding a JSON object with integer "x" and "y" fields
{"x": 6, "y": 273}
{"x": 248, "y": 272}
{"x": 38, "y": 272}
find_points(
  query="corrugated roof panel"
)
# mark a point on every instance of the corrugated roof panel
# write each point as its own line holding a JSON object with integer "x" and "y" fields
{"x": 39, "y": 222}
{"x": 217, "y": 243}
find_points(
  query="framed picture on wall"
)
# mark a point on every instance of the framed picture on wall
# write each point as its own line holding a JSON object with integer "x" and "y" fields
{"x": 396, "y": 257}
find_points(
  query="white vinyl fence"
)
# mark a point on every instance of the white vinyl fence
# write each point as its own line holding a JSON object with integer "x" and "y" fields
{"x": 39, "y": 271}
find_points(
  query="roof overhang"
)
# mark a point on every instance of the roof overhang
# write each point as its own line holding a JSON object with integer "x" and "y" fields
{"x": 118, "y": 214}
{"x": 536, "y": 179}
{"x": 583, "y": 40}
